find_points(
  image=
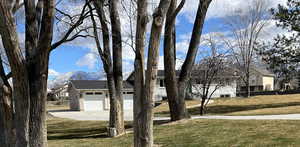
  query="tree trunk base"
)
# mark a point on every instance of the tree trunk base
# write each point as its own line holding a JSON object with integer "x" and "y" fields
{"x": 111, "y": 132}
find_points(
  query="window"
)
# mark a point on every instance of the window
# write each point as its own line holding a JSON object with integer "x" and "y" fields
{"x": 98, "y": 93}
{"x": 129, "y": 92}
{"x": 89, "y": 93}
{"x": 161, "y": 83}
{"x": 225, "y": 95}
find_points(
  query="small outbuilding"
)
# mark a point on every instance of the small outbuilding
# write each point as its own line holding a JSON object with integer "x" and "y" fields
{"x": 93, "y": 95}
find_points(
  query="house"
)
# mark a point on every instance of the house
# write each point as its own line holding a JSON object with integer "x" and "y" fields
{"x": 160, "y": 92}
{"x": 260, "y": 80}
{"x": 93, "y": 95}
{"x": 60, "y": 91}
{"x": 293, "y": 84}
{"x": 221, "y": 84}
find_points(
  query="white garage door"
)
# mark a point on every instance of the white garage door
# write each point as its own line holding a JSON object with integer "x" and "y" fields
{"x": 128, "y": 100}
{"x": 93, "y": 101}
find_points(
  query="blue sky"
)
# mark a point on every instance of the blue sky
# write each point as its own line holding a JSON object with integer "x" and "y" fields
{"x": 81, "y": 55}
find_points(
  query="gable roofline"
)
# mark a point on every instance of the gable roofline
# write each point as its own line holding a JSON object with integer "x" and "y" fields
{"x": 95, "y": 84}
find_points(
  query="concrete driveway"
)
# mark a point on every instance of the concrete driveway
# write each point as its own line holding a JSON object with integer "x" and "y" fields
{"x": 90, "y": 115}
{"x": 128, "y": 116}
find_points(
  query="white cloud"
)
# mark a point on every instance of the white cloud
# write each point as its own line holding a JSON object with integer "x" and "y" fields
{"x": 89, "y": 60}
{"x": 161, "y": 63}
{"x": 52, "y": 72}
{"x": 222, "y": 8}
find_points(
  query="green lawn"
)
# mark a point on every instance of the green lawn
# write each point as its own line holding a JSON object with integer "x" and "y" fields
{"x": 257, "y": 105}
{"x": 188, "y": 133}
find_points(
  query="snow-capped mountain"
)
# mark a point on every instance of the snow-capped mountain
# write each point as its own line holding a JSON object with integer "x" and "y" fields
{"x": 77, "y": 75}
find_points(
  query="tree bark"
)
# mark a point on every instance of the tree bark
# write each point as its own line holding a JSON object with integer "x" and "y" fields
{"x": 7, "y": 138}
{"x": 170, "y": 61}
{"x": 248, "y": 90}
{"x": 202, "y": 106}
{"x": 19, "y": 73}
{"x": 30, "y": 74}
{"x": 117, "y": 122}
{"x": 139, "y": 71}
{"x": 113, "y": 68}
{"x": 190, "y": 59}
{"x": 38, "y": 96}
{"x": 6, "y": 117}
{"x": 37, "y": 58}
{"x": 145, "y": 116}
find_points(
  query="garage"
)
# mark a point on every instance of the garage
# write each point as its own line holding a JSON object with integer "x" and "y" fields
{"x": 128, "y": 101}
{"x": 92, "y": 95}
{"x": 93, "y": 101}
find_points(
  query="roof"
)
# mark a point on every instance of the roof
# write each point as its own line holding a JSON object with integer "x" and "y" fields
{"x": 263, "y": 71}
{"x": 160, "y": 73}
{"x": 95, "y": 84}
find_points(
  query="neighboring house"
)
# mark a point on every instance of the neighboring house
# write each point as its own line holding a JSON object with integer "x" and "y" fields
{"x": 93, "y": 95}
{"x": 223, "y": 84}
{"x": 294, "y": 83}
{"x": 260, "y": 80}
{"x": 60, "y": 91}
{"x": 160, "y": 92}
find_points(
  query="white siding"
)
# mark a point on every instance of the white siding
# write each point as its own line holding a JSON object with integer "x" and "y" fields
{"x": 94, "y": 102}
{"x": 229, "y": 90}
{"x": 128, "y": 100}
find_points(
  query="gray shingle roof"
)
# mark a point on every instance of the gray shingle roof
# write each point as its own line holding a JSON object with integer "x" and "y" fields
{"x": 263, "y": 71}
{"x": 95, "y": 84}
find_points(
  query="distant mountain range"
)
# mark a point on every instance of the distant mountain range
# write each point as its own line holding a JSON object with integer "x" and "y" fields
{"x": 78, "y": 75}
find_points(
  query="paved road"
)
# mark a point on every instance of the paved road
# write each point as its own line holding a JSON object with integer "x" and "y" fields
{"x": 255, "y": 117}
{"x": 89, "y": 115}
{"x": 128, "y": 116}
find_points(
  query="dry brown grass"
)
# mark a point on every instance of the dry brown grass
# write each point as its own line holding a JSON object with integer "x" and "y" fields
{"x": 257, "y": 105}
{"x": 57, "y": 106}
{"x": 189, "y": 133}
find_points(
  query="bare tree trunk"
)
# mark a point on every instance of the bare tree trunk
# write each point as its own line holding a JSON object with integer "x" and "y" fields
{"x": 170, "y": 61}
{"x": 248, "y": 90}
{"x": 38, "y": 46}
{"x": 139, "y": 71}
{"x": 38, "y": 96}
{"x": 202, "y": 106}
{"x": 19, "y": 73}
{"x": 113, "y": 68}
{"x": 118, "y": 122}
{"x": 144, "y": 136}
{"x": 190, "y": 58}
{"x": 7, "y": 136}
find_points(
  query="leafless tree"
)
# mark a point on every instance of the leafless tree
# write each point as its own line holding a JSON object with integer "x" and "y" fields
{"x": 144, "y": 82}
{"x": 112, "y": 64}
{"x": 176, "y": 88}
{"x": 30, "y": 69}
{"x": 7, "y": 137}
{"x": 211, "y": 72}
{"x": 245, "y": 27}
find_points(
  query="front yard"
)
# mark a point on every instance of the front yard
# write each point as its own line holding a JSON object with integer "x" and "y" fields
{"x": 188, "y": 133}
{"x": 200, "y": 132}
{"x": 257, "y": 105}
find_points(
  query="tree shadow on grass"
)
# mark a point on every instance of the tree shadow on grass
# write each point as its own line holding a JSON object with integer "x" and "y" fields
{"x": 64, "y": 130}
{"x": 223, "y": 109}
